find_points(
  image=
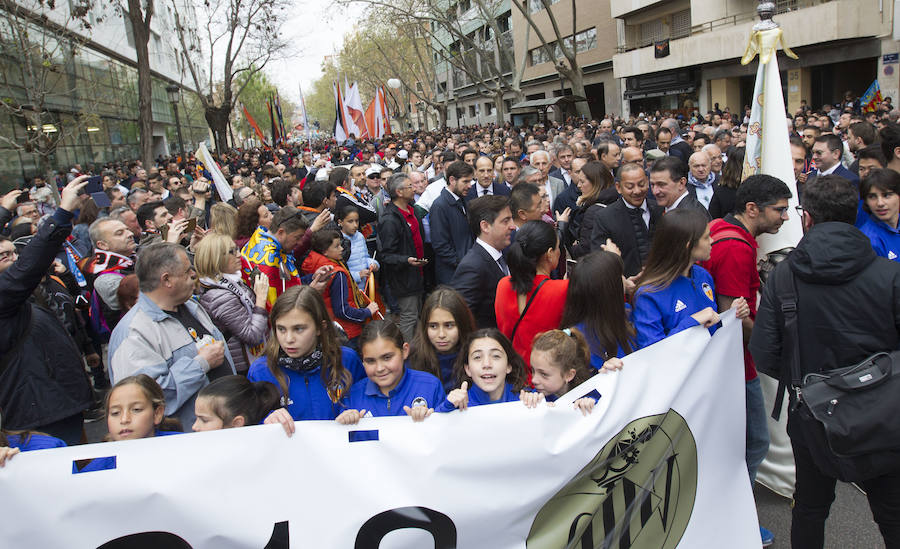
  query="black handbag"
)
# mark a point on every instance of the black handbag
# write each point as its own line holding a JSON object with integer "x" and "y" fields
{"x": 850, "y": 416}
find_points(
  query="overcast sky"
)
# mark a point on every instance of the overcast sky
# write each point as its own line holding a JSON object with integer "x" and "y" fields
{"x": 317, "y": 29}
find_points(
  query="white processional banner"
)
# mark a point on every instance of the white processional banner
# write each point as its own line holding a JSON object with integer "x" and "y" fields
{"x": 659, "y": 464}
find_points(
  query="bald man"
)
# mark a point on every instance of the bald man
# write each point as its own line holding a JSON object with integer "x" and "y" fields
{"x": 716, "y": 158}
{"x": 701, "y": 182}
{"x": 633, "y": 155}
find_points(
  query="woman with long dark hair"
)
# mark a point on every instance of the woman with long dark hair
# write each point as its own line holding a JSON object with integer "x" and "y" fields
{"x": 595, "y": 304}
{"x": 528, "y": 302}
{"x": 596, "y": 184}
{"x": 673, "y": 292}
{"x": 722, "y": 202}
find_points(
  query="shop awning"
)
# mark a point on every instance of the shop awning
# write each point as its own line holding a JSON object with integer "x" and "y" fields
{"x": 542, "y": 104}
{"x": 641, "y": 94}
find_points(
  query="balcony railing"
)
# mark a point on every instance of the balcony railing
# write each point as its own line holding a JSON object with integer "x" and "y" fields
{"x": 781, "y": 6}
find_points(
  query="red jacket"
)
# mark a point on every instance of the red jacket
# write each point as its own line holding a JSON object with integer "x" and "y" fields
{"x": 315, "y": 260}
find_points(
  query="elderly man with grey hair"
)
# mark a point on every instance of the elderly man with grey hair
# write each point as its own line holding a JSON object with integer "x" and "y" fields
{"x": 401, "y": 251}
{"x": 554, "y": 186}
{"x": 167, "y": 335}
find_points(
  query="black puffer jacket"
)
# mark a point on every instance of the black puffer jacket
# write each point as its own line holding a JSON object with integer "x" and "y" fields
{"x": 848, "y": 304}
{"x": 395, "y": 247}
{"x": 42, "y": 380}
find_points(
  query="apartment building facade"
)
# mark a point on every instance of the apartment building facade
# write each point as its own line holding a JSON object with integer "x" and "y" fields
{"x": 843, "y": 45}
{"x": 98, "y": 83}
{"x": 589, "y": 30}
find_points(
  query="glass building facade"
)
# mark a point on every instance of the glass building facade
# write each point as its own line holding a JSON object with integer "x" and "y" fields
{"x": 91, "y": 97}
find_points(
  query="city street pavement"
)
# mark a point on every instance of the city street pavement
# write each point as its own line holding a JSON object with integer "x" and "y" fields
{"x": 850, "y": 525}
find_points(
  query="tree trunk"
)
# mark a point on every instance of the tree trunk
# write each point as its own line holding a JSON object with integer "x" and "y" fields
{"x": 140, "y": 29}
{"x": 499, "y": 108}
{"x": 217, "y": 118}
{"x": 582, "y": 108}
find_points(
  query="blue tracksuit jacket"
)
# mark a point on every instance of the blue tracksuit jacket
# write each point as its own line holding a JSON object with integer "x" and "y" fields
{"x": 658, "y": 314}
{"x": 415, "y": 389}
{"x": 307, "y": 396}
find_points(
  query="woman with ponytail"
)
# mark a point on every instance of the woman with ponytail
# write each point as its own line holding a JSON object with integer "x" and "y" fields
{"x": 528, "y": 302}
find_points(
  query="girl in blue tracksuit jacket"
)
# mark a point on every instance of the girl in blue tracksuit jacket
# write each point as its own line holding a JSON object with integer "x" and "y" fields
{"x": 391, "y": 388}
{"x": 560, "y": 361}
{"x": 673, "y": 293}
{"x": 235, "y": 401}
{"x": 303, "y": 359}
{"x": 489, "y": 369}
{"x": 880, "y": 193}
{"x": 135, "y": 408}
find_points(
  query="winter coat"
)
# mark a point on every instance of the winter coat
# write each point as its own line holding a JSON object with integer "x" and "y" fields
{"x": 42, "y": 376}
{"x": 232, "y": 307}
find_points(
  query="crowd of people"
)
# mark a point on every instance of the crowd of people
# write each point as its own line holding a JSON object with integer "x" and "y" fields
{"x": 423, "y": 273}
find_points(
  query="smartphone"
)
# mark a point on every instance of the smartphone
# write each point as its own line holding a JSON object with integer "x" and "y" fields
{"x": 164, "y": 232}
{"x": 94, "y": 185}
{"x": 254, "y": 274}
{"x": 192, "y": 224}
{"x": 570, "y": 264}
{"x": 101, "y": 200}
{"x": 24, "y": 197}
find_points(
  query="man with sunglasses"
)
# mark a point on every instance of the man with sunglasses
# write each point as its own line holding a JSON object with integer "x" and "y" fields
{"x": 761, "y": 206}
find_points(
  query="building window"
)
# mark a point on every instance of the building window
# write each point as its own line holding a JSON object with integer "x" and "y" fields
{"x": 584, "y": 41}
{"x": 681, "y": 24}
{"x": 489, "y": 108}
{"x": 464, "y": 6}
{"x": 535, "y": 6}
{"x": 503, "y": 22}
{"x": 472, "y": 111}
{"x": 442, "y": 87}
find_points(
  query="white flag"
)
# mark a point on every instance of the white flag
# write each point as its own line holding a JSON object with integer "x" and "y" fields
{"x": 209, "y": 164}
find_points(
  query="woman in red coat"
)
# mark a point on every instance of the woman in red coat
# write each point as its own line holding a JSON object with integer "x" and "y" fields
{"x": 531, "y": 257}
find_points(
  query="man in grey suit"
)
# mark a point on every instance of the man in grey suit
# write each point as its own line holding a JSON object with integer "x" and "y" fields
{"x": 540, "y": 160}
{"x": 668, "y": 182}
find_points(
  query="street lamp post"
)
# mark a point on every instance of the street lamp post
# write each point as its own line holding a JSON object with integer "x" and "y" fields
{"x": 174, "y": 93}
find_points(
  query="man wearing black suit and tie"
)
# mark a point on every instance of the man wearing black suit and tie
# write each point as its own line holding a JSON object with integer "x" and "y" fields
{"x": 629, "y": 221}
{"x": 668, "y": 183}
{"x": 485, "y": 184}
{"x": 827, "y": 150}
{"x": 483, "y": 266}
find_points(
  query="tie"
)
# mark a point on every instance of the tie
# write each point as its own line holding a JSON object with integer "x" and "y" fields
{"x": 484, "y": 192}
{"x": 503, "y": 267}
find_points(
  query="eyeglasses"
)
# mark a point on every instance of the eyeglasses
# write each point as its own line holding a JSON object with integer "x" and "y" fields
{"x": 799, "y": 210}
{"x": 8, "y": 254}
{"x": 781, "y": 210}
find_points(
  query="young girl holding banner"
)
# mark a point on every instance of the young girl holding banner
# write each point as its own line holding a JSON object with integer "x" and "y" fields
{"x": 673, "y": 293}
{"x": 391, "y": 389}
{"x": 495, "y": 371}
{"x": 303, "y": 358}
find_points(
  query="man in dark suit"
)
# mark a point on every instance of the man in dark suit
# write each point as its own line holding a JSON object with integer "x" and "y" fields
{"x": 485, "y": 185}
{"x": 668, "y": 181}
{"x": 450, "y": 235}
{"x": 701, "y": 182}
{"x": 678, "y": 148}
{"x": 629, "y": 221}
{"x": 827, "y": 151}
{"x": 481, "y": 269}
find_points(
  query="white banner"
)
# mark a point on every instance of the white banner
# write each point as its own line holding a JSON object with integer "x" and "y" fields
{"x": 659, "y": 464}
{"x": 222, "y": 186}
